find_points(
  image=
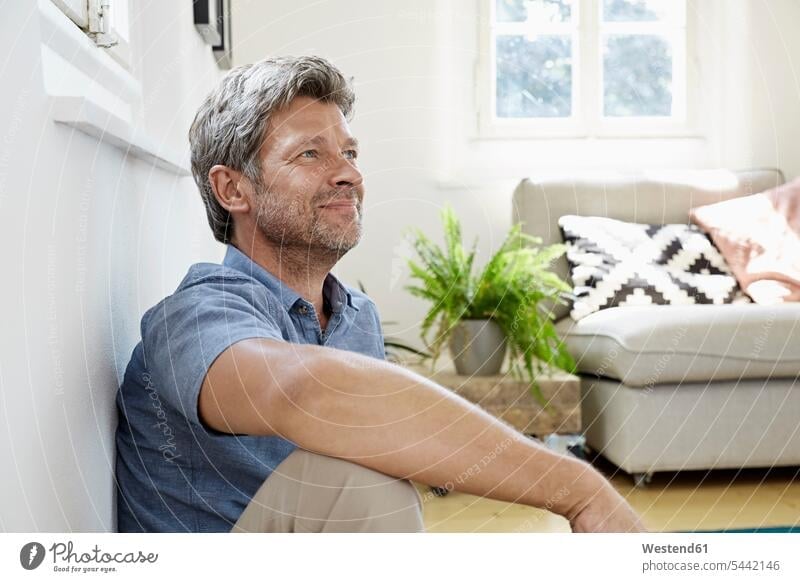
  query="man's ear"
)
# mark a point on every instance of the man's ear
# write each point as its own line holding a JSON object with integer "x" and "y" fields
{"x": 232, "y": 189}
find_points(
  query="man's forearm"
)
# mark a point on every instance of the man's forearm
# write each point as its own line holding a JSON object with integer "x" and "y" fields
{"x": 389, "y": 419}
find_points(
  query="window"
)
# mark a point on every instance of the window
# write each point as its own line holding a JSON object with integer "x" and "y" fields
{"x": 585, "y": 67}
{"x": 106, "y": 21}
{"x": 89, "y": 79}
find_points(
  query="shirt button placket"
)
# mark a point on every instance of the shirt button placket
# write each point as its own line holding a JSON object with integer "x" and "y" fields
{"x": 311, "y": 330}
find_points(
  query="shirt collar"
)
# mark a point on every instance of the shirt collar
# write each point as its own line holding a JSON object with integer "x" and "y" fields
{"x": 333, "y": 290}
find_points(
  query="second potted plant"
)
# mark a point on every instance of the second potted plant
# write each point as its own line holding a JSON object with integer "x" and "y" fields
{"x": 480, "y": 316}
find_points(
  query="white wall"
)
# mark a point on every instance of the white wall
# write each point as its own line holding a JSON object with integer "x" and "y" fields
{"x": 762, "y": 96}
{"x": 414, "y": 68}
{"x": 90, "y": 239}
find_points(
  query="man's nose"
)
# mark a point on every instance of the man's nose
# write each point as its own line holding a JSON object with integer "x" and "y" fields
{"x": 344, "y": 174}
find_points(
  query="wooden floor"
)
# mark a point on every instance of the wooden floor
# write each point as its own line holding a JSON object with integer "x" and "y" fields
{"x": 687, "y": 501}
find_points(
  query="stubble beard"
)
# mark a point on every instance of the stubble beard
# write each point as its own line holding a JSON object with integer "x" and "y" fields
{"x": 290, "y": 227}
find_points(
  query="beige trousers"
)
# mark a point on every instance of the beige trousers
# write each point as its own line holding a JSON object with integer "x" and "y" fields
{"x": 308, "y": 492}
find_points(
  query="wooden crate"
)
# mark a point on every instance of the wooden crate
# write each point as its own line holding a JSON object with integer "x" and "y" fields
{"x": 511, "y": 400}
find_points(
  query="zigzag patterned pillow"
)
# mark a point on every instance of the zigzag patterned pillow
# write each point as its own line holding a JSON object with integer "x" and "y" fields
{"x": 615, "y": 263}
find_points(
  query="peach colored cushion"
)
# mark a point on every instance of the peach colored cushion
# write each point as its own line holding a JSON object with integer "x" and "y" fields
{"x": 759, "y": 236}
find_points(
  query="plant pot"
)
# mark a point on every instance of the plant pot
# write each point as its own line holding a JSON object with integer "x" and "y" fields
{"x": 478, "y": 347}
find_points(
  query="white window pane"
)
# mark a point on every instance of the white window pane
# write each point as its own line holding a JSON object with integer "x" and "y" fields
{"x": 534, "y": 11}
{"x": 640, "y": 10}
{"x": 637, "y": 76}
{"x": 534, "y": 77}
{"x": 119, "y": 18}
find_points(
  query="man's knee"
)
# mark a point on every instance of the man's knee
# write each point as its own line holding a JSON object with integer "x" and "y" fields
{"x": 361, "y": 499}
{"x": 318, "y": 493}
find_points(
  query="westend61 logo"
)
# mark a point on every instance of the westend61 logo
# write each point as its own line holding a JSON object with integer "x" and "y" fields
{"x": 66, "y": 559}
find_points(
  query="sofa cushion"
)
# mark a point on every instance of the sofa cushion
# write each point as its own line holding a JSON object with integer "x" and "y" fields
{"x": 759, "y": 236}
{"x": 616, "y": 263}
{"x": 647, "y": 345}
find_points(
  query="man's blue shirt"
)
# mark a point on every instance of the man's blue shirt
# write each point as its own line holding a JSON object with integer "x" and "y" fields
{"x": 174, "y": 473}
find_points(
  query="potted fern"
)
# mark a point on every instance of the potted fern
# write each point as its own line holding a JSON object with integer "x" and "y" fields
{"x": 478, "y": 315}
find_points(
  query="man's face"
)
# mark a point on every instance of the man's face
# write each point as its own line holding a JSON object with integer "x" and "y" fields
{"x": 311, "y": 191}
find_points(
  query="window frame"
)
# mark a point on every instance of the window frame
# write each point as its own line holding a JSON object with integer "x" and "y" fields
{"x": 587, "y": 120}
{"x": 78, "y": 12}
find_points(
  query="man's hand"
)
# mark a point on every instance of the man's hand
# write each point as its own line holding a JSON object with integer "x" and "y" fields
{"x": 607, "y": 512}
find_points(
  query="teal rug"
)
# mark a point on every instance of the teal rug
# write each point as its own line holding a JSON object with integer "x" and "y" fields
{"x": 774, "y": 529}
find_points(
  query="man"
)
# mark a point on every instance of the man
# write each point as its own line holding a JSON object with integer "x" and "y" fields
{"x": 259, "y": 398}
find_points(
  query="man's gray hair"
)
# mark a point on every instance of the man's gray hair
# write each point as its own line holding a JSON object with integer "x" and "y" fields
{"x": 230, "y": 125}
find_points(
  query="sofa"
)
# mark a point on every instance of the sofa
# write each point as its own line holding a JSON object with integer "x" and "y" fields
{"x": 674, "y": 387}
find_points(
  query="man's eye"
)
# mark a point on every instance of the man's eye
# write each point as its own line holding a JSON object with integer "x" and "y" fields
{"x": 309, "y": 154}
{"x": 350, "y": 154}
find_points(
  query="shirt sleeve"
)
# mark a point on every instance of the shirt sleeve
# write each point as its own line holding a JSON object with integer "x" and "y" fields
{"x": 185, "y": 333}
